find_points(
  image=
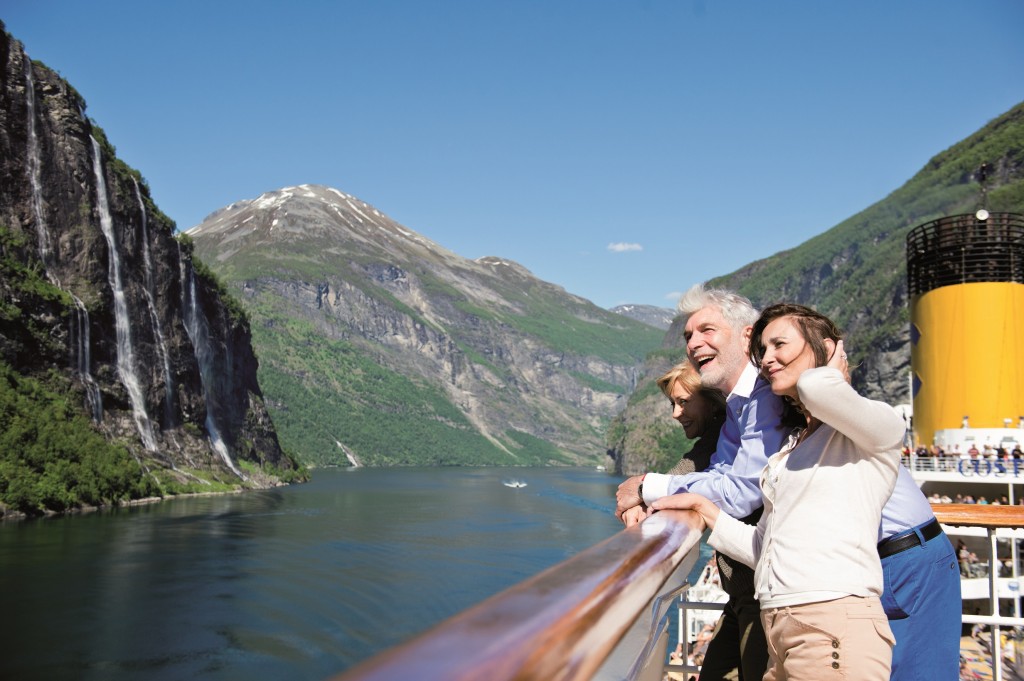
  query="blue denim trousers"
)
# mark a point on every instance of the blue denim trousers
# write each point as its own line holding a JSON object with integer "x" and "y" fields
{"x": 921, "y": 598}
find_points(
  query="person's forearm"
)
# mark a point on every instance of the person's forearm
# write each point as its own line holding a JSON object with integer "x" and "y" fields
{"x": 736, "y": 539}
{"x": 872, "y": 425}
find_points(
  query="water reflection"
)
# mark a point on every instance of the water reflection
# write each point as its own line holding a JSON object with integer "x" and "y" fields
{"x": 297, "y": 583}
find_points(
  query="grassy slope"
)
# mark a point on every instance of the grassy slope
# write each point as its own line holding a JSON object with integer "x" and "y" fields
{"x": 322, "y": 392}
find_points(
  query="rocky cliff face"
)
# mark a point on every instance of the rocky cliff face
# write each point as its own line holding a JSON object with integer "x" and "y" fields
{"x": 527, "y": 371}
{"x": 154, "y": 353}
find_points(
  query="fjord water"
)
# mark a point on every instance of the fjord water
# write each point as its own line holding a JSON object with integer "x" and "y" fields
{"x": 299, "y": 582}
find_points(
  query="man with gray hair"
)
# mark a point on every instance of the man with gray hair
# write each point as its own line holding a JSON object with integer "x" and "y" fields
{"x": 717, "y": 332}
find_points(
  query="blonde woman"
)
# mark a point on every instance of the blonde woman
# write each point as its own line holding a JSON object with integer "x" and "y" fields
{"x": 699, "y": 410}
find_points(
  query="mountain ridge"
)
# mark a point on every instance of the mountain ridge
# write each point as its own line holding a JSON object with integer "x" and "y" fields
{"x": 652, "y": 315}
{"x": 536, "y": 371}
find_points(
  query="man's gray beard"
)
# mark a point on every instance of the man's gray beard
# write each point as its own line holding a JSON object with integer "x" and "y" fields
{"x": 714, "y": 377}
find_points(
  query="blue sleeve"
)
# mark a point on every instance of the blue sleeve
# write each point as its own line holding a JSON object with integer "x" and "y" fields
{"x": 748, "y": 438}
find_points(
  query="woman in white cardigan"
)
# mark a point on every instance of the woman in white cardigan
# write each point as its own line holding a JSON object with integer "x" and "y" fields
{"x": 816, "y": 567}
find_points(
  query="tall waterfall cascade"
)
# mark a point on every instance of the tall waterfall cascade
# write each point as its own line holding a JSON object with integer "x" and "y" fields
{"x": 94, "y": 321}
{"x": 126, "y": 367}
{"x": 154, "y": 318}
{"x": 198, "y": 332}
{"x": 35, "y": 166}
{"x": 80, "y": 329}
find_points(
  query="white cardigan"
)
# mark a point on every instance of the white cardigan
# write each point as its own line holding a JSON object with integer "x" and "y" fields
{"x": 823, "y": 500}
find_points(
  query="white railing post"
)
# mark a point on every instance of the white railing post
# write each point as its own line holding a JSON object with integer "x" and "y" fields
{"x": 993, "y": 587}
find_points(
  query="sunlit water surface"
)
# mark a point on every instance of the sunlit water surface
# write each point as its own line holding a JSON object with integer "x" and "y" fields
{"x": 299, "y": 582}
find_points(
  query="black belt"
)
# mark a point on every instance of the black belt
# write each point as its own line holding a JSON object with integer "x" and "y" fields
{"x": 908, "y": 540}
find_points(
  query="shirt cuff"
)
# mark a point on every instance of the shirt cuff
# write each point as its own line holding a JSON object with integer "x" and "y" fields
{"x": 655, "y": 487}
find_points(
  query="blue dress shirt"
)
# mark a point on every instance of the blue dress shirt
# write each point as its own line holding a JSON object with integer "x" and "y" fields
{"x": 752, "y": 432}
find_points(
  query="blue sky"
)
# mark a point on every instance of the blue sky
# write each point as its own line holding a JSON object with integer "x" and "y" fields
{"x": 623, "y": 149}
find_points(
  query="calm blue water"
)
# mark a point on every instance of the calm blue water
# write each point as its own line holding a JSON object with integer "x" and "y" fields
{"x": 295, "y": 583}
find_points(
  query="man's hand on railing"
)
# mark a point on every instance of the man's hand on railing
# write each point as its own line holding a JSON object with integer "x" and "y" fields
{"x": 627, "y": 497}
{"x": 634, "y": 515}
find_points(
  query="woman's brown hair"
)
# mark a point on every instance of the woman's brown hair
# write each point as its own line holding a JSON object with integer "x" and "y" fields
{"x": 814, "y": 326}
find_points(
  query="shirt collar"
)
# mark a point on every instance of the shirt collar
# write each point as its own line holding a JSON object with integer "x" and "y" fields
{"x": 745, "y": 386}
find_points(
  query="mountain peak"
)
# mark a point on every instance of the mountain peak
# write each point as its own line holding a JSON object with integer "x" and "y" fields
{"x": 310, "y": 213}
{"x": 497, "y": 263}
{"x": 652, "y": 315}
{"x": 363, "y": 324}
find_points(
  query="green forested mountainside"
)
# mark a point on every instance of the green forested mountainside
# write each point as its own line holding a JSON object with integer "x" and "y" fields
{"x": 561, "y": 321}
{"x": 51, "y": 459}
{"x": 379, "y": 347}
{"x": 330, "y": 396}
{"x": 328, "y": 392}
{"x": 854, "y": 272}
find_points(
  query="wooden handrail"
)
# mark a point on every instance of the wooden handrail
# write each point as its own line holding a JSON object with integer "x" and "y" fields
{"x": 560, "y": 624}
{"x": 980, "y": 515}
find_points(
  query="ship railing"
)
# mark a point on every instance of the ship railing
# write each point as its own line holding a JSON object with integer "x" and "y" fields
{"x": 967, "y": 466}
{"x": 584, "y": 618}
{"x": 685, "y": 671}
{"x": 991, "y": 518}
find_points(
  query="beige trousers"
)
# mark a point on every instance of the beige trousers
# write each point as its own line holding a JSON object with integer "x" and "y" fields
{"x": 848, "y": 638}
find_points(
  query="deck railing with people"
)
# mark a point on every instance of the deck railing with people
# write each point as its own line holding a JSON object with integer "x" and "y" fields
{"x": 967, "y": 466}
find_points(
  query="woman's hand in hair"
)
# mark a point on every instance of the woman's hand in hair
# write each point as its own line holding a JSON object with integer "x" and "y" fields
{"x": 838, "y": 359}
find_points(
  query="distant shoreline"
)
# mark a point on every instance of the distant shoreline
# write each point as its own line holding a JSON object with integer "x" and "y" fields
{"x": 15, "y": 516}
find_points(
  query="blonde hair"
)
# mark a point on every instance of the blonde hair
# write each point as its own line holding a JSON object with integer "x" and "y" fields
{"x": 683, "y": 372}
{"x": 687, "y": 376}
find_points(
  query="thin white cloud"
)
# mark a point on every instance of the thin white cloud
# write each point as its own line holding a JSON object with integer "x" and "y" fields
{"x": 674, "y": 296}
{"x": 622, "y": 247}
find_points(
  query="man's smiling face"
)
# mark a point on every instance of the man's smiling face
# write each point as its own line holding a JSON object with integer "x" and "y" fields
{"x": 717, "y": 349}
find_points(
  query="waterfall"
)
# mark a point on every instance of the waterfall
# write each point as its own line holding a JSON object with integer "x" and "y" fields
{"x": 80, "y": 330}
{"x": 125, "y": 351}
{"x": 154, "y": 318}
{"x": 35, "y": 165}
{"x": 199, "y": 333}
